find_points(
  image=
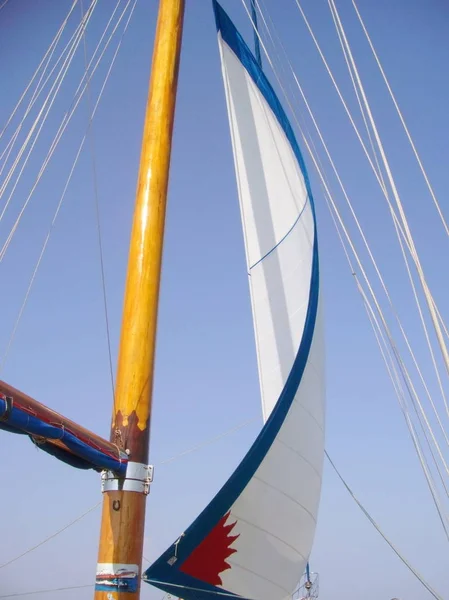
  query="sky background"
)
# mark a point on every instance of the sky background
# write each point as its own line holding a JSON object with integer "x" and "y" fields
{"x": 206, "y": 373}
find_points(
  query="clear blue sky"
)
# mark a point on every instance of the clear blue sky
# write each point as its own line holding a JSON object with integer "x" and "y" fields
{"x": 206, "y": 378}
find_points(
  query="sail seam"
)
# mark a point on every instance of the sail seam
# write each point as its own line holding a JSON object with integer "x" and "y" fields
{"x": 286, "y": 496}
{"x": 311, "y": 415}
{"x": 280, "y": 441}
{"x": 298, "y": 218}
{"x": 275, "y": 537}
{"x": 239, "y": 566}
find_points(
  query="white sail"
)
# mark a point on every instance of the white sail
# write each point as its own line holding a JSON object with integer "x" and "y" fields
{"x": 255, "y": 537}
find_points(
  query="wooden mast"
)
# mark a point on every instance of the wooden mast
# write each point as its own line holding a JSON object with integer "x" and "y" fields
{"x": 122, "y": 525}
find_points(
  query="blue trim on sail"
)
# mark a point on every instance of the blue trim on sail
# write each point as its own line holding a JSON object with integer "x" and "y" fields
{"x": 79, "y": 454}
{"x": 164, "y": 573}
{"x": 236, "y": 43}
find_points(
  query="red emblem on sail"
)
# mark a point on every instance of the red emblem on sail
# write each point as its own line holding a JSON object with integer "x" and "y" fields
{"x": 208, "y": 559}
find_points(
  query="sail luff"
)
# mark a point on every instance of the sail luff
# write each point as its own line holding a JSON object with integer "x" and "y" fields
{"x": 123, "y": 519}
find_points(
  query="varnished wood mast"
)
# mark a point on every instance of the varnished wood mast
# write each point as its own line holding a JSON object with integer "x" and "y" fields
{"x": 122, "y": 526}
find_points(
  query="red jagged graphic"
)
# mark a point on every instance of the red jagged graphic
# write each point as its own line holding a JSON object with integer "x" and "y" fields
{"x": 208, "y": 559}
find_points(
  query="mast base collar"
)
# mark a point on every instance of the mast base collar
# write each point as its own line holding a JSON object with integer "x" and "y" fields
{"x": 137, "y": 479}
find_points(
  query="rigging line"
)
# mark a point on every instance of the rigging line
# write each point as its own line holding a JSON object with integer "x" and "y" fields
{"x": 427, "y": 293}
{"x": 27, "y": 294}
{"x": 400, "y": 395}
{"x": 379, "y": 310}
{"x": 56, "y": 140}
{"x": 37, "y": 92}
{"x": 398, "y": 110}
{"x": 48, "y": 591}
{"x": 443, "y": 325}
{"x": 348, "y": 112}
{"x": 72, "y": 47}
{"x": 57, "y": 83}
{"x": 39, "y": 86}
{"x": 371, "y": 315}
{"x": 376, "y": 526}
{"x": 111, "y": 18}
{"x": 210, "y": 441}
{"x": 76, "y": 100}
{"x": 77, "y": 31}
{"x": 54, "y": 42}
{"x": 429, "y": 344}
{"x": 394, "y": 376}
{"x": 97, "y": 212}
{"x": 362, "y": 111}
{"x": 367, "y": 245}
{"x": 39, "y": 89}
{"x": 397, "y": 355}
{"x": 349, "y": 238}
{"x": 10, "y": 145}
{"x": 50, "y": 537}
{"x": 395, "y": 380}
{"x": 404, "y": 255}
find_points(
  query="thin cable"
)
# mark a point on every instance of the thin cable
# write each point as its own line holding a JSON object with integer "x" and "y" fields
{"x": 404, "y": 255}
{"x": 97, "y": 214}
{"x": 391, "y": 365}
{"x": 428, "y": 296}
{"x": 376, "y": 526}
{"x": 57, "y": 138}
{"x": 209, "y": 441}
{"x": 36, "y": 93}
{"x": 429, "y": 344}
{"x": 44, "y": 111}
{"x": 402, "y": 403}
{"x": 71, "y": 46}
{"x": 66, "y": 119}
{"x": 50, "y": 49}
{"x": 398, "y": 110}
{"x": 33, "y": 277}
{"x": 345, "y": 106}
{"x": 362, "y": 111}
{"x": 49, "y": 590}
{"x": 50, "y": 537}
